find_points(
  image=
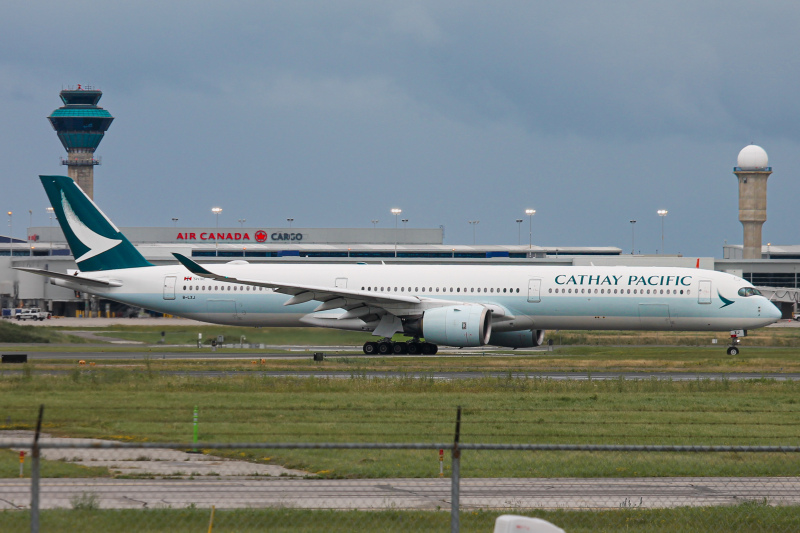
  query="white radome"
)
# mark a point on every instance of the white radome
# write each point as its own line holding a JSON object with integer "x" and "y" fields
{"x": 752, "y": 157}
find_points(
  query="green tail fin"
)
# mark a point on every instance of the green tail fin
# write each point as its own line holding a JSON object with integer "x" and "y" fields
{"x": 95, "y": 241}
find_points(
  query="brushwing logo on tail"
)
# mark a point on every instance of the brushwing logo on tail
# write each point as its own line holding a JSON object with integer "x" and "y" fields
{"x": 96, "y": 243}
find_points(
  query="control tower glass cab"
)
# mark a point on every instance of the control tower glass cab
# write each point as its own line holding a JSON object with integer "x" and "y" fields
{"x": 81, "y": 125}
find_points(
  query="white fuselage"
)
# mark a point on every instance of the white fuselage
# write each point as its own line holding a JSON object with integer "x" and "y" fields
{"x": 521, "y": 297}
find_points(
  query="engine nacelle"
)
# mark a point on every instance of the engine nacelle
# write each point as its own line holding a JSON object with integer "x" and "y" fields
{"x": 518, "y": 339}
{"x": 457, "y": 325}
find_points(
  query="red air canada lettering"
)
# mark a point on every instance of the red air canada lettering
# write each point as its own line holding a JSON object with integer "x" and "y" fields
{"x": 260, "y": 236}
{"x": 211, "y": 236}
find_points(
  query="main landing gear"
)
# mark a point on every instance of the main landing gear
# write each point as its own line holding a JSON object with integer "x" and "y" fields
{"x": 413, "y": 347}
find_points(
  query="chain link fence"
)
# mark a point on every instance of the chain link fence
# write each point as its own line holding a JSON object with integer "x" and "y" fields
{"x": 92, "y": 485}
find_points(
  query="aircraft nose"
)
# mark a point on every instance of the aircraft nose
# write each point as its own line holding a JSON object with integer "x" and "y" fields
{"x": 772, "y": 311}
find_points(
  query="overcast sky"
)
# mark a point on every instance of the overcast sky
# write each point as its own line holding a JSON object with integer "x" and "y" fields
{"x": 332, "y": 113}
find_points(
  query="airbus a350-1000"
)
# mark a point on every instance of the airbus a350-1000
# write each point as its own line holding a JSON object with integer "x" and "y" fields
{"x": 452, "y": 305}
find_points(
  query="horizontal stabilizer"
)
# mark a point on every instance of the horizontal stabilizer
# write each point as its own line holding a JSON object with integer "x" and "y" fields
{"x": 71, "y": 278}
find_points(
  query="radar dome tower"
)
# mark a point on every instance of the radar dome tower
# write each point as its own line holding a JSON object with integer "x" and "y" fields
{"x": 80, "y": 125}
{"x": 752, "y": 171}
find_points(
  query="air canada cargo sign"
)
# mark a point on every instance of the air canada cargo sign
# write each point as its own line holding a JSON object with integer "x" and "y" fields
{"x": 257, "y": 236}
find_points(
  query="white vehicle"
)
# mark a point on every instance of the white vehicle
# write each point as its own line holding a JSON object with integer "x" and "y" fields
{"x": 451, "y": 305}
{"x": 34, "y": 313}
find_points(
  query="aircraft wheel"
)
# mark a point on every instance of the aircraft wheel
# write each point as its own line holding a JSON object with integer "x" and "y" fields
{"x": 733, "y": 350}
{"x": 413, "y": 348}
{"x": 384, "y": 348}
{"x": 399, "y": 348}
{"x": 370, "y": 348}
{"x": 428, "y": 348}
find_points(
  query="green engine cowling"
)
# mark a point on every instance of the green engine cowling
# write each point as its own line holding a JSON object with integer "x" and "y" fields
{"x": 458, "y": 325}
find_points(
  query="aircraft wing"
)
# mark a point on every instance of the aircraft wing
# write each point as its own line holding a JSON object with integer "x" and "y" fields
{"x": 331, "y": 297}
{"x": 75, "y": 278}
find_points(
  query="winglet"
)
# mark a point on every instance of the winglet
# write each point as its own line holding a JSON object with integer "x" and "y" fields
{"x": 193, "y": 267}
{"x": 698, "y": 263}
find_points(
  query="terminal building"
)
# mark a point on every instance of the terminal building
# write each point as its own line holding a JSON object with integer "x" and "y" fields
{"x": 80, "y": 126}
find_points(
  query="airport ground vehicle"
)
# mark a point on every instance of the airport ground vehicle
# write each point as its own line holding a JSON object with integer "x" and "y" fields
{"x": 34, "y": 313}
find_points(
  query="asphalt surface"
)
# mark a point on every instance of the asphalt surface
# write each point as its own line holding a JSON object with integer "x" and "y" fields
{"x": 230, "y": 493}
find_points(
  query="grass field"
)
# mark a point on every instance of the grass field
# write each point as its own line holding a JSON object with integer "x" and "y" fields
{"x": 745, "y": 517}
{"x": 776, "y": 337}
{"x": 118, "y": 404}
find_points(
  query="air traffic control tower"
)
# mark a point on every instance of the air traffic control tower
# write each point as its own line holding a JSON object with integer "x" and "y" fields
{"x": 80, "y": 125}
{"x": 752, "y": 171}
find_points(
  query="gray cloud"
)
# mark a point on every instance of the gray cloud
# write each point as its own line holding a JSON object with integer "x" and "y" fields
{"x": 332, "y": 113}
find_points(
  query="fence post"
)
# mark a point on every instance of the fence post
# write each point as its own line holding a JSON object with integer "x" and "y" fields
{"x": 455, "y": 480}
{"x": 35, "y": 474}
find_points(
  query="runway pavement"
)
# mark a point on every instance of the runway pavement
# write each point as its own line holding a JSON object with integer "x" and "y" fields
{"x": 484, "y": 493}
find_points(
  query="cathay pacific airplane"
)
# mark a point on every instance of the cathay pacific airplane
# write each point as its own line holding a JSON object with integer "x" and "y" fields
{"x": 460, "y": 306}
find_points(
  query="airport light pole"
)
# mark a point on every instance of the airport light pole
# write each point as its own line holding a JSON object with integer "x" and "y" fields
{"x": 50, "y": 211}
{"x": 10, "y": 237}
{"x": 633, "y": 238}
{"x": 30, "y": 224}
{"x": 405, "y": 239}
{"x": 216, "y": 211}
{"x": 519, "y": 231}
{"x": 473, "y": 223}
{"x": 530, "y": 213}
{"x": 395, "y": 211}
{"x": 290, "y": 220}
{"x": 241, "y": 222}
{"x": 375, "y": 223}
{"x": 174, "y": 222}
{"x": 662, "y": 213}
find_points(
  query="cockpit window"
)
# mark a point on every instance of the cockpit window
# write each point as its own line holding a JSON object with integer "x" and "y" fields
{"x": 749, "y": 291}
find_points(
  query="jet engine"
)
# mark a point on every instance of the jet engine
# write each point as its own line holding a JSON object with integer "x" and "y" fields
{"x": 457, "y": 325}
{"x": 518, "y": 339}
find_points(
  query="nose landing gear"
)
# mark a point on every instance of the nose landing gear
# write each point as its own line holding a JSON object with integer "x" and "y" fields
{"x": 733, "y": 349}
